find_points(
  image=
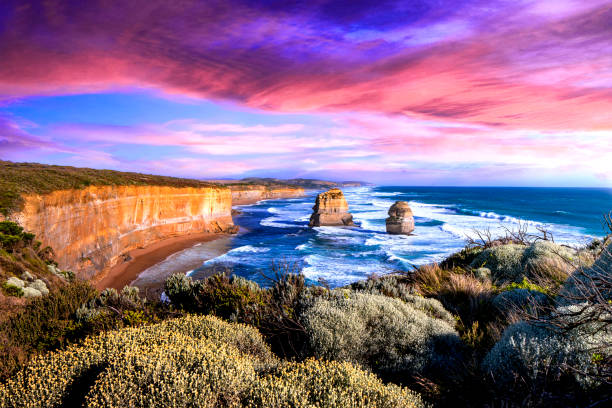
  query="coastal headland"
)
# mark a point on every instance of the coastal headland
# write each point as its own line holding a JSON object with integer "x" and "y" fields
{"x": 108, "y": 226}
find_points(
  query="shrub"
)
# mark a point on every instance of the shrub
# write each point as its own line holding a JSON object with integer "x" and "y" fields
{"x": 279, "y": 321}
{"x": 465, "y": 296}
{"x": 183, "y": 372}
{"x": 13, "y": 236}
{"x": 590, "y": 282}
{"x": 272, "y": 310}
{"x": 29, "y": 292}
{"x": 483, "y": 274}
{"x": 45, "y": 323}
{"x": 550, "y": 264}
{"x": 545, "y": 251}
{"x": 243, "y": 337}
{"x": 534, "y": 354}
{"x": 64, "y": 275}
{"x": 234, "y": 298}
{"x": 525, "y": 284}
{"x": 12, "y": 290}
{"x": 15, "y": 282}
{"x": 109, "y": 300}
{"x": 504, "y": 261}
{"x": 542, "y": 261}
{"x": 520, "y": 299}
{"x": 315, "y": 383}
{"x": 40, "y": 286}
{"x": 461, "y": 259}
{"x": 197, "y": 361}
{"x": 397, "y": 287}
{"x": 376, "y": 331}
{"x": 191, "y": 361}
{"x": 179, "y": 290}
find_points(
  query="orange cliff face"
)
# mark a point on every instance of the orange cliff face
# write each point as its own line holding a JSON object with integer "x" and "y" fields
{"x": 248, "y": 194}
{"x": 90, "y": 229}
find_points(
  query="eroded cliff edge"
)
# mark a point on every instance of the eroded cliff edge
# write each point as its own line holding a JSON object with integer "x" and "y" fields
{"x": 90, "y": 228}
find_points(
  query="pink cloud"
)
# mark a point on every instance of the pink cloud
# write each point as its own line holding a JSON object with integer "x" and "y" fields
{"x": 525, "y": 66}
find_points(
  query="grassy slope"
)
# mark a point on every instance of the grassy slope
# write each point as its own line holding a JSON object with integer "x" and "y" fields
{"x": 26, "y": 178}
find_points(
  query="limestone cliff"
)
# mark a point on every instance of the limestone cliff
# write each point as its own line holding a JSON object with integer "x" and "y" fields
{"x": 90, "y": 228}
{"x": 248, "y": 194}
{"x": 401, "y": 220}
{"x": 331, "y": 208}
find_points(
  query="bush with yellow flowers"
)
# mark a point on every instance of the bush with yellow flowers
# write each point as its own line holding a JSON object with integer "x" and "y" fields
{"x": 315, "y": 383}
{"x": 198, "y": 361}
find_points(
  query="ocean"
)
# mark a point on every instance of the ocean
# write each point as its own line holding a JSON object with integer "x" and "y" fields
{"x": 277, "y": 230}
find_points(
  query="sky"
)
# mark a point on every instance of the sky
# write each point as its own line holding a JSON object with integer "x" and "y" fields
{"x": 395, "y": 92}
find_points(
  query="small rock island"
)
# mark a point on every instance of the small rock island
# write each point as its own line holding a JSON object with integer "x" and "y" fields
{"x": 331, "y": 209}
{"x": 401, "y": 220}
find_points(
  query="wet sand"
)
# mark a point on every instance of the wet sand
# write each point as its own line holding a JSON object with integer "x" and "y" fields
{"x": 151, "y": 280}
{"x": 126, "y": 272}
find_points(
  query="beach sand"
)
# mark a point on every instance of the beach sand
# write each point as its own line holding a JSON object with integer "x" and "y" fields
{"x": 125, "y": 272}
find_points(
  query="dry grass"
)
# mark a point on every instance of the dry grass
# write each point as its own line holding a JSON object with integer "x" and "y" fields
{"x": 429, "y": 279}
{"x": 465, "y": 285}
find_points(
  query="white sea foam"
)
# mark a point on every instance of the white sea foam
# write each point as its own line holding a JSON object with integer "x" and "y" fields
{"x": 274, "y": 222}
{"x": 250, "y": 248}
{"x": 382, "y": 203}
{"x": 382, "y": 194}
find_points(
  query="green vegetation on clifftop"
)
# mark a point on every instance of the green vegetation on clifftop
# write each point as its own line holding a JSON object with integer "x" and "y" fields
{"x": 17, "y": 179}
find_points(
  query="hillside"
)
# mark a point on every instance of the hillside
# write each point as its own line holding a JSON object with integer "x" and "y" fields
{"x": 299, "y": 182}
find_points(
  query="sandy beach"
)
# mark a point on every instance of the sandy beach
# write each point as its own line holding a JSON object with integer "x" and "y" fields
{"x": 125, "y": 272}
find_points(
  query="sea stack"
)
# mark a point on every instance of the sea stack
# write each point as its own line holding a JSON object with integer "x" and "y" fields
{"x": 331, "y": 208}
{"x": 400, "y": 219}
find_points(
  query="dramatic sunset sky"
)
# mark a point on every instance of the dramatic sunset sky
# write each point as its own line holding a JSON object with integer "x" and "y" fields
{"x": 413, "y": 92}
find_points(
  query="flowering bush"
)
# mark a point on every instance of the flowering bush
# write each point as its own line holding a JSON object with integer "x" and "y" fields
{"x": 315, "y": 383}
{"x": 170, "y": 357}
{"x": 196, "y": 361}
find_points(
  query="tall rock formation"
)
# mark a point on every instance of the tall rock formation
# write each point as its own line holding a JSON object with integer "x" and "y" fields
{"x": 331, "y": 208}
{"x": 401, "y": 220}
